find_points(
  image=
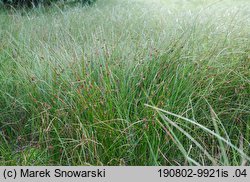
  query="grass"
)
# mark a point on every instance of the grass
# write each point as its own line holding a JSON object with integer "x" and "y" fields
{"x": 126, "y": 83}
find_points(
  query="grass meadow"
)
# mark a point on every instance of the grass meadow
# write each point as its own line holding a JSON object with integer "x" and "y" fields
{"x": 126, "y": 82}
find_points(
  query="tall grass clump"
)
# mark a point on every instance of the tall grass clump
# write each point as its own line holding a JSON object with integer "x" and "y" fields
{"x": 126, "y": 83}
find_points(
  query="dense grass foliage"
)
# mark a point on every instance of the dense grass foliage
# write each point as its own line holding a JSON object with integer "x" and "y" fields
{"x": 126, "y": 83}
{"x": 35, "y": 3}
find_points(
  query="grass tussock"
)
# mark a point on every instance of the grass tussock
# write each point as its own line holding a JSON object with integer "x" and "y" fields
{"x": 126, "y": 83}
